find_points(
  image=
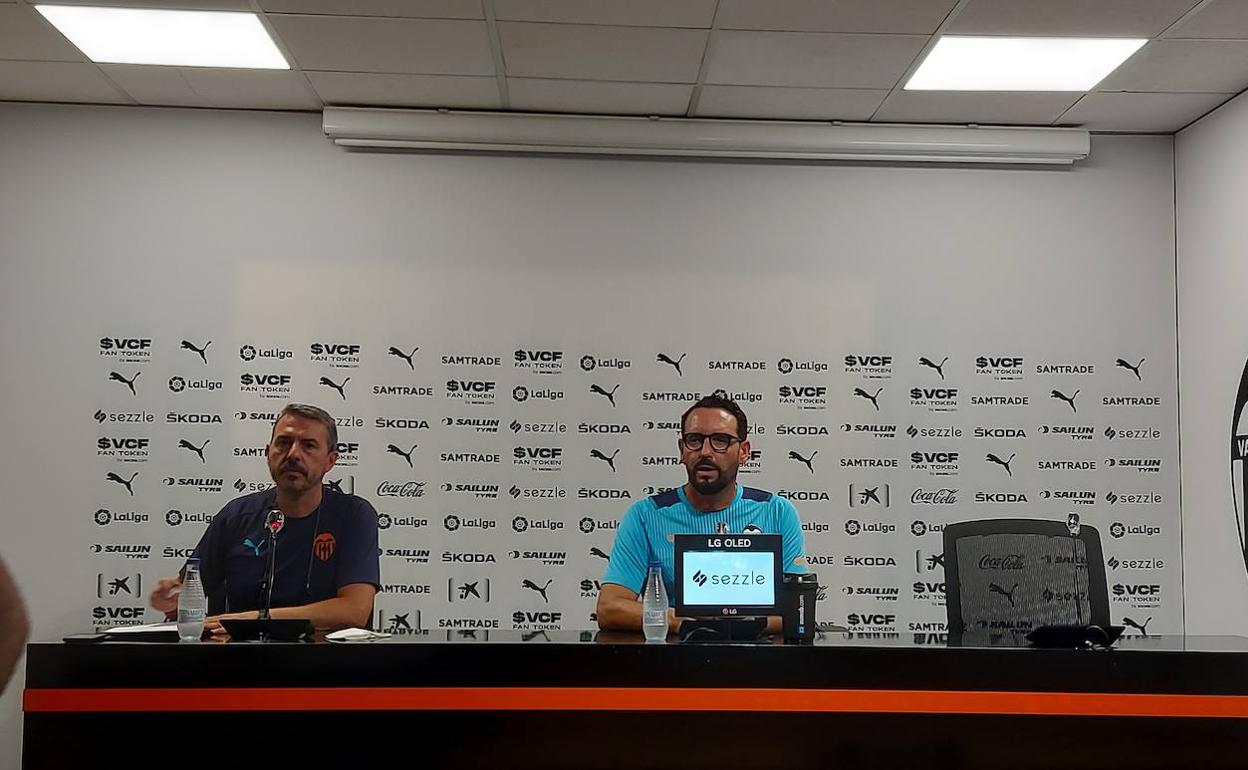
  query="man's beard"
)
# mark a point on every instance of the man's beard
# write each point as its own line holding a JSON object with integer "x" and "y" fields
{"x": 713, "y": 487}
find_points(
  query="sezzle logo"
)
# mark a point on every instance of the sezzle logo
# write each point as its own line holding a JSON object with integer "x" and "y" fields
{"x": 535, "y": 493}
{"x": 401, "y": 489}
{"x": 874, "y": 431}
{"x": 590, "y": 363}
{"x": 105, "y": 517}
{"x": 137, "y": 417}
{"x": 1133, "y": 498}
{"x": 538, "y": 361}
{"x": 337, "y": 355}
{"x": 935, "y": 463}
{"x": 176, "y": 518}
{"x": 540, "y": 458}
{"x": 1118, "y": 530}
{"x": 862, "y": 496}
{"x": 453, "y": 522}
{"x": 251, "y": 353}
{"x": 936, "y": 400}
{"x": 1132, "y": 434}
{"x": 123, "y": 449}
{"x": 1001, "y": 368}
{"x": 942, "y": 496}
{"x": 1136, "y": 564}
{"x": 803, "y": 397}
{"x": 853, "y": 527}
{"x": 247, "y": 487}
{"x": 1140, "y": 464}
{"x": 936, "y": 432}
{"x": 474, "y": 424}
{"x": 869, "y": 367}
{"x": 524, "y": 524}
{"x": 407, "y": 357}
{"x": 205, "y": 485}
{"x": 789, "y": 365}
{"x": 938, "y": 368}
{"x": 127, "y": 350}
{"x": 546, "y": 558}
{"x": 588, "y": 524}
{"x": 471, "y": 392}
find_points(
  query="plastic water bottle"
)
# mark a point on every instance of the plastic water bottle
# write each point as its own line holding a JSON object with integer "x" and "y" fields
{"x": 654, "y": 605}
{"x": 191, "y": 604}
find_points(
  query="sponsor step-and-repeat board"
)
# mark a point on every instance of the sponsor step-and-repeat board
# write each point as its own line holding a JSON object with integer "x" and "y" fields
{"x": 500, "y": 471}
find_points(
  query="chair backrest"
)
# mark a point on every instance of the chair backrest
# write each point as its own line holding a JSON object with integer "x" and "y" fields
{"x": 1005, "y": 577}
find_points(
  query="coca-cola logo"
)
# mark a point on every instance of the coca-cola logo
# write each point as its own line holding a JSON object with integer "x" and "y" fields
{"x": 943, "y": 496}
{"x": 1012, "y": 562}
{"x": 406, "y": 489}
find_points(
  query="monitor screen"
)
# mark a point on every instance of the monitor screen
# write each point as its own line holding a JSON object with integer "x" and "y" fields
{"x": 727, "y": 575}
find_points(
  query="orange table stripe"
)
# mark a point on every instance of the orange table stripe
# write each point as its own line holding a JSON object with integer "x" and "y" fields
{"x": 634, "y": 699}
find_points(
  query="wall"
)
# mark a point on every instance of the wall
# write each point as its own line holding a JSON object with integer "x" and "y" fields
{"x": 251, "y": 229}
{"x": 1211, "y": 163}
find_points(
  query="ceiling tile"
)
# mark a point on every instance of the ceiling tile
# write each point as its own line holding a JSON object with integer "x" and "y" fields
{"x": 639, "y": 13}
{"x": 1209, "y": 66}
{"x": 811, "y": 59}
{"x": 212, "y": 87}
{"x": 1101, "y": 18}
{"x": 153, "y": 85}
{"x": 56, "y": 82}
{"x": 598, "y": 97}
{"x": 987, "y": 107}
{"x": 632, "y": 54}
{"x": 191, "y": 5}
{"x": 788, "y": 103}
{"x": 1140, "y": 112}
{"x": 24, "y": 34}
{"x": 417, "y": 9}
{"x": 1219, "y": 19}
{"x": 919, "y": 17}
{"x": 432, "y": 91}
{"x": 418, "y": 46}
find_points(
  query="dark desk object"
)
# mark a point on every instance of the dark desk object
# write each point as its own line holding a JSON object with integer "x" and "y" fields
{"x": 559, "y": 699}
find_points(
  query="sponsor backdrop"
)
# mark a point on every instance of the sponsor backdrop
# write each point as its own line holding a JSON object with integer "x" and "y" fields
{"x": 508, "y": 344}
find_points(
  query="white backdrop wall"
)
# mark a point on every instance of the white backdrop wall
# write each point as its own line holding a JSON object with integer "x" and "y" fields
{"x": 1211, "y": 168}
{"x": 252, "y": 230}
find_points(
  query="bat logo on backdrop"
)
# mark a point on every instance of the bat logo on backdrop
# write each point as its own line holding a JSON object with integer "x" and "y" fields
{"x": 201, "y": 352}
{"x": 1134, "y": 369}
{"x": 596, "y": 551}
{"x": 594, "y": 453}
{"x": 993, "y": 588}
{"x": 529, "y": 584}
{"x": 392, "y": 449}
{"x": 873, "y": 399}
{"x": 1003, "y": 463}
{"x": 610, "y": 396}
{"x": 1068, "y": 399}
{"x": 340, "y": 388}
{"x": 940, "y": 368}
{"x": 199, "y": 450}
{"x": 663, "y": 358}
{"x": 127, "y": 483}
{"x": 1143, "y": 628}
{"x": 115, "y": 377}
{"x": 406, "y": 357}
{"x": 807, "y": 461}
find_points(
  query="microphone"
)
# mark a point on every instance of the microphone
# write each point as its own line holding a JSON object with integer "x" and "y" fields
{"x": 274, "y": 521}
{"x": 1072, "y": 524}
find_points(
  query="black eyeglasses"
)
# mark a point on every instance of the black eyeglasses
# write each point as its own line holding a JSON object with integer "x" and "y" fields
{"x": 719, "y": 441}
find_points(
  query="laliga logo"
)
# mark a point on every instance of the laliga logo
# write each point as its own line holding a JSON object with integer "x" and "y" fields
{"x": 520, "y": 393}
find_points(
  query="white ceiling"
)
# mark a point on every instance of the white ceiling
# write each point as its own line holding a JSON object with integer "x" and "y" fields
{"x": 782, "y": 59}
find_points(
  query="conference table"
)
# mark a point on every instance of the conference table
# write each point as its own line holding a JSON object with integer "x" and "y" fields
{"x": 584, "y": 699}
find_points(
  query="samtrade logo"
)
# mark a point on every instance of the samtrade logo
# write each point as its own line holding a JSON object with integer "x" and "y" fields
{"x": 664, "y": 358}
{"x": 1003, "y": 463}
{"x": 407, "y": 357}
{"x": 1068, "y": 399}
{"x": 471, "y": 360}
{"x": 874, "y": 398}
{"x": 938, "y": 368}
{"x": 128, "y": 382}
{"x": 1123, "y": 363}
{"x": 201, "y": 351}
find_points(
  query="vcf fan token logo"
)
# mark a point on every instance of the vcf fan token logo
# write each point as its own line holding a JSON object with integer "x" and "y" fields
{"x": 324, "y": 545}
{"x": 1239, "y": 452}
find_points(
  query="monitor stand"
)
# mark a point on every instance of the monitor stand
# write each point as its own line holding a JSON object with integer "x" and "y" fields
{"x": 723, "y": 630}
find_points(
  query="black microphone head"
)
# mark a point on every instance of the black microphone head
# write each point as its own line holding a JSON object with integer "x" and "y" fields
{"x": 1072, "y": 524}
{"x": 275, "y": 521}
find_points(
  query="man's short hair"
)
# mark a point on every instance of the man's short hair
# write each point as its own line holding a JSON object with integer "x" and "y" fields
{"x": 309, "y": 412}
{"x": 719, "y": 400}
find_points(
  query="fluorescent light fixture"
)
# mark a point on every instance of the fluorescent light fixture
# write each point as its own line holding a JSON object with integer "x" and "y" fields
{"x": 452, "y": 131}
{"x": 1020, "y": 63}
{"x": 174, "y": 38}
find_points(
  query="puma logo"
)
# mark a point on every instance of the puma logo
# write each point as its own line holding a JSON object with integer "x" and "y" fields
{"x": 663, "y": 358}
{"x": 199, "y": 450}
{"x": 609, "y": 396}
{"x": 1134, "y": 369}
{"x": 594, "y": 453}
{"x": 940, "y": 368}
{"x": 1068, "y": 399}
{"x": 1003, "y": 463}
{"x": 596, "y": 551}
{"x": 864, "y": 394}
{"x": 406, "y": 357}
{"x": 254, "y": 547}
{"x": 127, "y": 483}
{"x": 340, "y": 388}
{"x": 394, "y": 450}
{"x": 187, "y": 345}
{"x": 529, "y": 584}
{"x": 115, "y": 377}
{"x": 993, "y": 588}
{"x": 1143, "y": 629}
{"x": 804, "y": 460}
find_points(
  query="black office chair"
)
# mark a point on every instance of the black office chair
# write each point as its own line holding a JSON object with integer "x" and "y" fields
{"x": 1005, "y": 578}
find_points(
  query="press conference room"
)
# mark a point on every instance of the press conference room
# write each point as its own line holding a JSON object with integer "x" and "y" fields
{"x": 591, "y": 384}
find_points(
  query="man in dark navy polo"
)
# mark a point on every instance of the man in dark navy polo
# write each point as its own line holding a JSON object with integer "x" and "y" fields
{"x": 713, "y": 444}
{"x": 327, "y": 566}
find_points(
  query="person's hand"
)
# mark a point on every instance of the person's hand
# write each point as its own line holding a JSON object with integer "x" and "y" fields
{"x": 217, "y": 631}
{"x": 164, "y": 596}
